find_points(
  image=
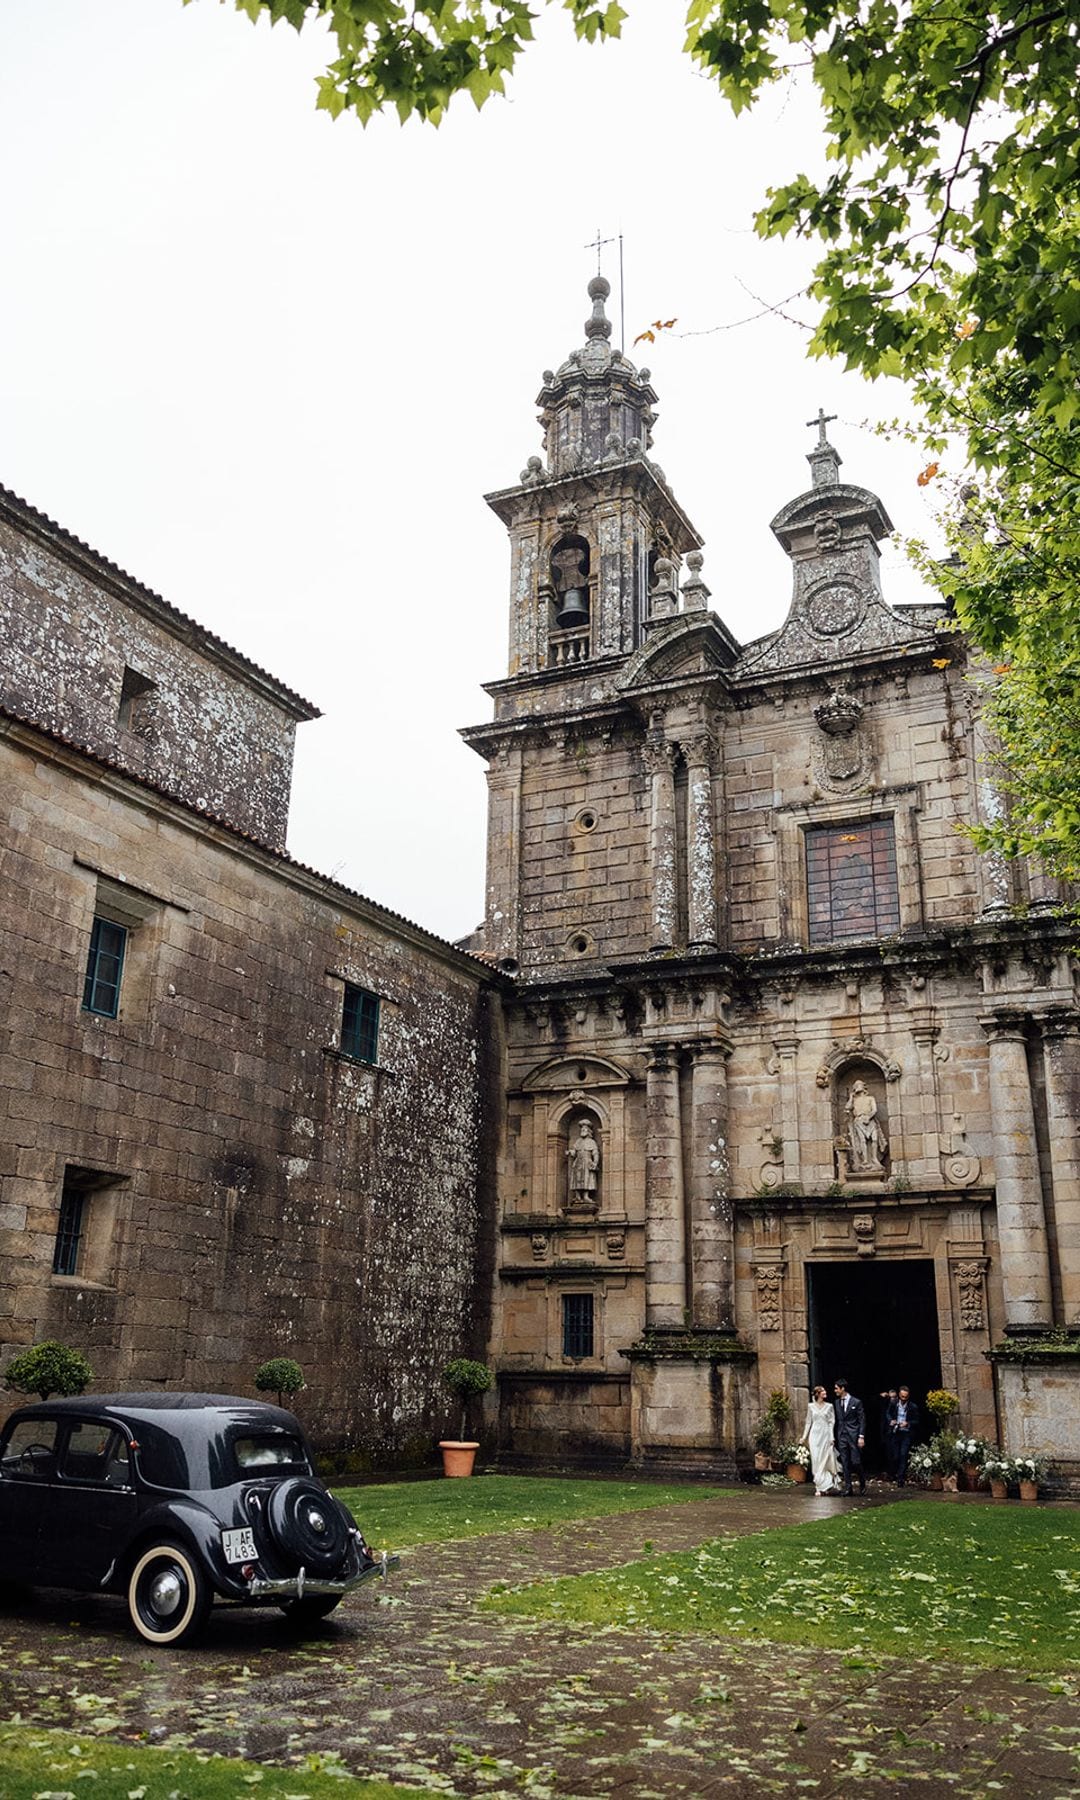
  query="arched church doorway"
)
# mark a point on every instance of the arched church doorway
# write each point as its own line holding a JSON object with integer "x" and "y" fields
{"x": 876, "y": 1324}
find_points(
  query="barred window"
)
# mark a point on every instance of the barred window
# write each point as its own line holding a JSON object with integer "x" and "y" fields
{"x": 577, "y": 1325}
{"x": 104, "y": 967}
{"x": 69, "y": 1232}
{"x": 851, "y": 882}
{"x": 360, "y": 1024}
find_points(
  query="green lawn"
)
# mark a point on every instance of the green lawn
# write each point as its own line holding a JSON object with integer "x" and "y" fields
{"x": 980, "y": 1584}
{"x": 40, "y": 1764}
{"x": 431, "y": 1512}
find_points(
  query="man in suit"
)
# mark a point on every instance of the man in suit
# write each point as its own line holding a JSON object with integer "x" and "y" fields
{"x": 850, "y": 1436}
{"x": 903, "y": 1421}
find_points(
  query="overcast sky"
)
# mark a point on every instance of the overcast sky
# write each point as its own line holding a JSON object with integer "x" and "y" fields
{"x": 270, "y": 364}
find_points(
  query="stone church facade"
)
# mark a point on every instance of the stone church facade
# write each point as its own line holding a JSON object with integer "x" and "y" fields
{"x": 760, "y": 1076}
{"x": 793, "y": 1082}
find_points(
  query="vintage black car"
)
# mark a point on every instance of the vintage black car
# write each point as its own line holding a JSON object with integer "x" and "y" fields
{"x": 173, "y": 1499}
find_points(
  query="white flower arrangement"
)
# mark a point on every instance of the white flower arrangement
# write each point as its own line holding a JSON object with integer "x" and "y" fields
{"x": 801, "y": 1455}
{"x": 1028, "y": 1468}
{"x": 923, "y": 1461}
{"x": 997, "y": 1466}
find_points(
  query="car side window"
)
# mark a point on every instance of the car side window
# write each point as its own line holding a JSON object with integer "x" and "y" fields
{"x": 30, "y": 1451}
{"x": 95, "y": 1452}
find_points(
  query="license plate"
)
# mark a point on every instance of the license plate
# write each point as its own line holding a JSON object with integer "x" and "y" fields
{"x": 239, "y": 1546}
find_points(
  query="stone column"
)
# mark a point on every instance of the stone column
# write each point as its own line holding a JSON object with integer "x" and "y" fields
{"x": 659, "y": 761}
{"x": 1025, "y": 1260}
{"x": 665, "y": 1220}
{"x": 1061, "y": 1051}
{"x": 700, "y": 843}
{"x": 926, "y": 1169}
{"x": 712, "y": 1215}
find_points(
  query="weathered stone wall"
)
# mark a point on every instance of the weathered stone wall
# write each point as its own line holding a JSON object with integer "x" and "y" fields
{"x": 211, "y": 729}
{"x": 267, "y": 1195}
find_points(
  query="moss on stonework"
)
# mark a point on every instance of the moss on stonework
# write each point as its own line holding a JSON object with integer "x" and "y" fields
{"x": 689, "y": 1346}
{"x": 1051, "y": 1346}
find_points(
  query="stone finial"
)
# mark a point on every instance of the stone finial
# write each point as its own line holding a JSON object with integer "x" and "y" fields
{"x": 823, "y": 459}
{"x": 695, "y": 593}
{"x": 599, "y": 326}
{"x": 663, "y": 595}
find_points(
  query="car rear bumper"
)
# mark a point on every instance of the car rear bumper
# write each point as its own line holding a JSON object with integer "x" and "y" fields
{"x": 295, "y": 1587}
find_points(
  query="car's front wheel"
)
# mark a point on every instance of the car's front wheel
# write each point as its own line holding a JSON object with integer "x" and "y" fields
{"x": 168, "y": 1595}
{"x": 309, "y": 1612}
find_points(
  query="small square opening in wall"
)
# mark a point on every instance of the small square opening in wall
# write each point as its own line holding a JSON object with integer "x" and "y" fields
{"x": 135, "y": 691}
{"x": 578, "y": 1326}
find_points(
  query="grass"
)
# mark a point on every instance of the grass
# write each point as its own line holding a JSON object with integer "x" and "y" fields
{"x": 40, "y": 1764}
{"x": 980, "y": 1584}
{"x": 434, "y": 1512}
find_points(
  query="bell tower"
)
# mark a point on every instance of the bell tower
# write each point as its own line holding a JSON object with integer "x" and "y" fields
{"x": 589, "y": 526}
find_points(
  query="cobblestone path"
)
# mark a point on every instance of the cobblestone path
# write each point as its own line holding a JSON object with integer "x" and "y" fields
{"x": 414, "y": 1684}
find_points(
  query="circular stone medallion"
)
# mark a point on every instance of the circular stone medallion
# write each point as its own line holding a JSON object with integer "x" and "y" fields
{"x": 835, "y": 607}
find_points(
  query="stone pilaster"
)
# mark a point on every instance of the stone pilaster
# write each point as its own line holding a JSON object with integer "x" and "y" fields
{"x": 665, "y": 1211}
{"x": 663, "y": 859}
{"x": 503, "y": 930}
{"x": 787, "y": 1050}
{"x": 1061, "y": 1053}
{"x": 712, "y": 1215}
{"x": 925, "y": 1170}
{"x": 701, "y": 909}
{"x": 1025, "y": 1261}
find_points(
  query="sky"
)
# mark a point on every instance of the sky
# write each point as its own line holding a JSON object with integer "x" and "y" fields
{"x": 270, "y": 363}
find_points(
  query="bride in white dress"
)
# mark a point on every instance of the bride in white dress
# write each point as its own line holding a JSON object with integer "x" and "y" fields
{"x": 819, "y": 1435}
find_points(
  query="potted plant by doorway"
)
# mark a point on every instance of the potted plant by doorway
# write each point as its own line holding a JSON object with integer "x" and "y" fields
{"x": 1028, "y": 1471}
{"x": 796, "y": 1461}
{"x": 464, "y": 1378}
{"x": 996, "y": 1469}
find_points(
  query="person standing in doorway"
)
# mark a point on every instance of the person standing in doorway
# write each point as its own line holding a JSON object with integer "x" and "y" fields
{"x": 903, "y": 1420}
{"x": 850, "y": 1436}
{"x": 888, "y": 1436}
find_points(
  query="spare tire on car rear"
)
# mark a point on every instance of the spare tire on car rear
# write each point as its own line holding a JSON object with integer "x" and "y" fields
{"x": 307, "y": 1526}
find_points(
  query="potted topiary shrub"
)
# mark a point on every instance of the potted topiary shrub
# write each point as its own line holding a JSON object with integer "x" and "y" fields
{"x": 464, "y": 1378}
{"x": 280, "y": 1376}
{"x": 49, "y": 1368}
{"x": 770, "y": 1430}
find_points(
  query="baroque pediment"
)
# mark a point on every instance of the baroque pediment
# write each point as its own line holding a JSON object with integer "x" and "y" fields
{"x": 680, "y": 647}
{"x": 561, "y": 1073}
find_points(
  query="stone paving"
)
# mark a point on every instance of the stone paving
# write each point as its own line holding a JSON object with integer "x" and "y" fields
{"x": 414, "y": 1684}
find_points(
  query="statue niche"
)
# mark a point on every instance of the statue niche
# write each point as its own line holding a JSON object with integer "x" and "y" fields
{"x": 582, "y": 1158}
{"x": 860, "y": 1123}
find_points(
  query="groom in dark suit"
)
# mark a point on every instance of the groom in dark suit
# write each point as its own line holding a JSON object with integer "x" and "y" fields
{"x": 850, "y": 1436}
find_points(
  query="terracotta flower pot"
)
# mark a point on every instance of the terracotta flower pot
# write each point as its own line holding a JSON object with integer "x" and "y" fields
{"x": 972, "y": 1476}
{"x": 936, "y": 1483}
{"x": 796, "y": 1472}
{"x": 458, "y": 1458}
{"x": 999, "y": 1489}
{"x": 1029, "y": 1490}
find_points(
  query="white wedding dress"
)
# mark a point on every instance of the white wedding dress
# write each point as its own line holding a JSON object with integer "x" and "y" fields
{"x": 818, "y": 1433}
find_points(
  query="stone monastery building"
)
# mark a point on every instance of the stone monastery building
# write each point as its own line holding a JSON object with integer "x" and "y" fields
{"x": 755, "y": 1074}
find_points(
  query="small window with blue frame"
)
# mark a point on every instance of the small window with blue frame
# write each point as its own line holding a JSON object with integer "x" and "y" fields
{"x": 360, "y": 1024}
{"x": 104, "y": 968}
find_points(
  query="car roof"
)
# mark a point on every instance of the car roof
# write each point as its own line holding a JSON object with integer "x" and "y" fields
{"x": 144, "y": 1405}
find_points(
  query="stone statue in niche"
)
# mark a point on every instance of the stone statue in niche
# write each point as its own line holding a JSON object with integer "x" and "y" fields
{"x": 583, "y": 1169}
{"x": 866, "y": 1142}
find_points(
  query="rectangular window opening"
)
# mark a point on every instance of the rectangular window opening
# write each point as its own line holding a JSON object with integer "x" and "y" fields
{"x": 74, "y": 1203}
{"x": 360, "y": 1024}
{"x": 851, "y": 882}
{"x": 104, "y": 968}
{"x": 577, "y": 1316}
{"x": 87, "y": 1222}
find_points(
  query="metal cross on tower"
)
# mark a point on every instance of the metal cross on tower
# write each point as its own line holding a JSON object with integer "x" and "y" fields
{"x": 598, "y": 244}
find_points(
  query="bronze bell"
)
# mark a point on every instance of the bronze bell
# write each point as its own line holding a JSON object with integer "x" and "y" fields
{"x": 574, "y": 609}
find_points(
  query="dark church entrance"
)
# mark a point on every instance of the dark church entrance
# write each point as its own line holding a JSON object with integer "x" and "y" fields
{"x": 876, "y": 1324}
